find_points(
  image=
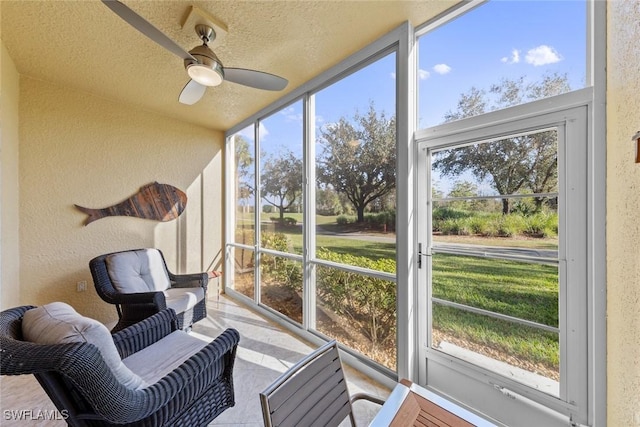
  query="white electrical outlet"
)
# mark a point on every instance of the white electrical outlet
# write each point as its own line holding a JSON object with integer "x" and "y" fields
{"x": 81, "y": 286}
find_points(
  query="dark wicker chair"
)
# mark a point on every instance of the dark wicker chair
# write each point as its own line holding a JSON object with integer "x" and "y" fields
{"x": 134, "y": 307}
{"x": 82, "y": 386}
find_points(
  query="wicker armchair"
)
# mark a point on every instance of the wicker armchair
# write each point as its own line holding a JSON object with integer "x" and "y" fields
{"x": 139, "y": 292}
{"x": 84, "y": 388}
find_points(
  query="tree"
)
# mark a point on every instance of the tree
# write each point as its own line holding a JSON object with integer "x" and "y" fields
{"x": 244, "y": 168}
{"x": 328, "y": 202}
{"x": 464, "y": 189}
{"x": 244, "y": 190}
{"x": 281, "y": 179}
{"x": 513, "y": 164}
{"x": 544, "y": 173}
{"x": 359, "y": 158}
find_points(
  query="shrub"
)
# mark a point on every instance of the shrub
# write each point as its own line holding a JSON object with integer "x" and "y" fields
{"x": 387, "y": 218}
{"x": 542, "y": 224}
{"x": 449, "y": 213}
{"x": 512, "y": 225}
{"x": 370, "y": 303}
{"x": 287, "y": 220}
{"x": 524, "y": 207}
{"x": 445, "y": 220}
{"x": 479, "y": 224}
{"x": 276, "y": 241}
{"x": 344, "y": 220}
{"x": 279, "y": 269}
{"x": 456, "y": 227}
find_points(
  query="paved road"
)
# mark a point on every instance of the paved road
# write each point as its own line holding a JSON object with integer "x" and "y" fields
{"x": 498, "y": 250}
{"x": 491, "y": 251}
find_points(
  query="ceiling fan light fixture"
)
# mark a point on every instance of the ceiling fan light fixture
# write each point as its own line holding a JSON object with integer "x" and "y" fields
{"x": 205, "y": 74}
{"x": 204, "y": 66}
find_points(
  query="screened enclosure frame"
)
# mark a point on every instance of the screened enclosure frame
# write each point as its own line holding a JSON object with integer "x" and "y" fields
{"x": 400, "y": 42}
{"x": 403, "y": 42}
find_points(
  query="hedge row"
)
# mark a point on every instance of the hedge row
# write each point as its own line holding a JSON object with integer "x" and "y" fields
{"x": 456, "y": 222}
{"x": 368, "y": 303}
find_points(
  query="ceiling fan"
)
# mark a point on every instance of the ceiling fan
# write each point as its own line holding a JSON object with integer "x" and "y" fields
{"x": 202, "y": 65}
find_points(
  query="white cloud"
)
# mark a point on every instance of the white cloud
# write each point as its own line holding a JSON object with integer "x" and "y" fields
{"x": 542, "y": 55}
{"x": 514, "y": 59}
{"x": 262, "y": 131}
{"x": 423, "y": 74}
{"x": 441, "y": 68}
{"x": 248, "y": 132}
{"x": 291, "y": 115}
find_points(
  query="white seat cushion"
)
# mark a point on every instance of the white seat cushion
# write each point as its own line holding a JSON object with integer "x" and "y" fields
{"x": 154, "y": 362}
{"x": 59, "y": 323}
{"x": 137, "y": 271}
{"x": 182, "y": 299}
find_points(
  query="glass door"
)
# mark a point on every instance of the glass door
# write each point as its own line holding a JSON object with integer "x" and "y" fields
{"x": 498, "y": 301}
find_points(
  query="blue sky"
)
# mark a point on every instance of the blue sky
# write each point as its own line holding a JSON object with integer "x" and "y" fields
{"x": 500, "y": 39}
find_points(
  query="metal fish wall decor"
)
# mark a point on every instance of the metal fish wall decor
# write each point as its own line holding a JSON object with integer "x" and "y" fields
{"x": 160, "y": 202}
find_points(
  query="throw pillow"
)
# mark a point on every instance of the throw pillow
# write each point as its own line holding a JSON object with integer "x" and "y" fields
{"x": 59, "y": 323}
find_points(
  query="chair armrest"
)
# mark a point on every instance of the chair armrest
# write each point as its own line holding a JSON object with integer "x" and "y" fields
{"x": 364, "y": 396}
{"x": 134, "y": 338}
{"x": 193, "y": 280}
{"x": 156, "y": 298}
{"x": 214, "y": 360}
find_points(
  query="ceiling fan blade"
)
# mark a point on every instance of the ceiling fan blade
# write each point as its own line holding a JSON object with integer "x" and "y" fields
{"x": 255, "y": 79}
{"x": 146, "y": 28}
{"x": 192, "y": 92}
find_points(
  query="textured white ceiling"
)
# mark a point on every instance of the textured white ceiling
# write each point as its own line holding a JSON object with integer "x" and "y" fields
{"x": 82, "y": 44}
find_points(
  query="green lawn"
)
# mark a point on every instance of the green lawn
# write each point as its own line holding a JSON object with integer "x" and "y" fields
{"x": 525, "y": 291}
{"x": 341, "y": 245}
{"x": 248, "y": 217}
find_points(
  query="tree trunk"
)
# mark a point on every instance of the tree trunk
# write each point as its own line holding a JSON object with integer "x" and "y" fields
{"x": 538, "y": 202}
{"x": 360, "y": 210}
{"x": 506, "y": 207}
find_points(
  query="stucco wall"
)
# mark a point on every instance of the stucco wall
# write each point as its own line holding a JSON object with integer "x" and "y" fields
{"x": 623, "y": 214}
{"x": 76, "y": 148}
{"x": 9, "y": 243}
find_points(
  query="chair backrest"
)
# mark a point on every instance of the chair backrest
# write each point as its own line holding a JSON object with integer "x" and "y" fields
{"x": 140, "y": 270}
{"x": 55, "y": 366}
{"x": 312, "y": 392}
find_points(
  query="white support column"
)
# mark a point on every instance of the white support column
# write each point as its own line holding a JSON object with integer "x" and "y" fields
{"x": 309, "y": 217}
{"x": 406, "y": 279}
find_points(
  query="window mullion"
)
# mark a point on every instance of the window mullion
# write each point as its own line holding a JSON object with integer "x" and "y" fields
{"x": 309, "y": 222}
{"x": 256, "y": 212}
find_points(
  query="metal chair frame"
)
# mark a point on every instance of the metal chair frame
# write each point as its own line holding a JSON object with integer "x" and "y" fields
{"x": 313, "y": 392}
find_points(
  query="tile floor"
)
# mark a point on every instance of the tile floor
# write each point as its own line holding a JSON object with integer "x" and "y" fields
{"x": 265, "y": 351}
